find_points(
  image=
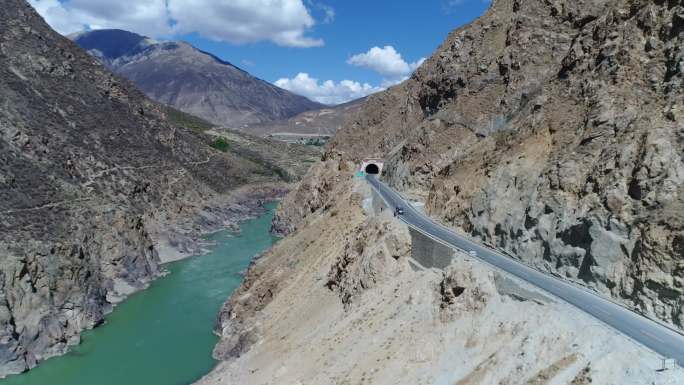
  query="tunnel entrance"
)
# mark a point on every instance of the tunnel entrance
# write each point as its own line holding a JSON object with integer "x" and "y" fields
{"x": 372, "y": 169}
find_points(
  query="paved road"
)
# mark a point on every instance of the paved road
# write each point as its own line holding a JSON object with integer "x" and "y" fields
{"x": 653, "y": 335}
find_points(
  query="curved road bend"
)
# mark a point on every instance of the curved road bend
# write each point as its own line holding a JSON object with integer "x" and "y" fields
{"x": 651, "y": 334}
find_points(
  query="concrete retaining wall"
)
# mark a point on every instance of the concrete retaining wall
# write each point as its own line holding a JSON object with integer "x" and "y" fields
{"x": 427, "y": 252}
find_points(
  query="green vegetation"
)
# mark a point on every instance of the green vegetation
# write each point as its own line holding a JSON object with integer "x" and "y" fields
{"x": 268, "y": 167}
{"x": 192, "y": 122}
{"x": 220, "y": 144}
{"x": 316, "y": 141}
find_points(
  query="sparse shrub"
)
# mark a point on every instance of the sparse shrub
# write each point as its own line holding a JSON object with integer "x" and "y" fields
{"x": 220, "y": 144}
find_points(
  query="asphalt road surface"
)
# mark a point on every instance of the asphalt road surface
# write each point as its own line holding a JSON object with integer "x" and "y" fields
{"x": 651, "y": 334}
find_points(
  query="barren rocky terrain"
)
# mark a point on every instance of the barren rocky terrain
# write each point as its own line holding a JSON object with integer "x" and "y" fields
{"x": 340, "y": 301}
{"x": 553, "y": 130}
{"x": 288, "y": 160}
{"x": 320, "y": 122}
{"x": 98, "y": 186}
{"x": 550, "y": 129}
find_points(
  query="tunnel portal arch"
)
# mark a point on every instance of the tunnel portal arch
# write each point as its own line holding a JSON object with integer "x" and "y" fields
{"x": 372, "y": 169}
{"x": 372, "y": 166}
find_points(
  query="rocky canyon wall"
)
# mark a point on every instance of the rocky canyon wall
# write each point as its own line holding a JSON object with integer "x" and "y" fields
{"x": 553, "y": 130}
{"x": 93, "y": 179}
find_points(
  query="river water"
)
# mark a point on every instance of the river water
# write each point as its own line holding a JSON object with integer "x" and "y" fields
{"x": 162, "y": 335}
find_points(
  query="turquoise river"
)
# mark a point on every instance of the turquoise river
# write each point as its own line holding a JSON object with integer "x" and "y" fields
{"x": 162, "y": 335}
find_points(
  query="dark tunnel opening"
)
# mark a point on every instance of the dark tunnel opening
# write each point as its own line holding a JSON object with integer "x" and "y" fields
{"x": 372, "y": 169}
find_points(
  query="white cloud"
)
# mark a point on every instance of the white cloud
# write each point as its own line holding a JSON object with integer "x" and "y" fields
{"x": 387, "y": 83}
{"x": 418, "y": 63}
{"x": 387, "y": 62}
{"x": 284, "y": 22}
{"x": 145, "y": 17}
{"x": 327, "y": 92}
{"x": 56, "y": 15}
{"x": 327, "y": 11}
{"x": 246, "y": 21}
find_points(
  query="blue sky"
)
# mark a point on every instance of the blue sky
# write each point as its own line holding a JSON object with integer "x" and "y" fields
{"x": 277, "y": 40}
{"x": 414, "y": 28}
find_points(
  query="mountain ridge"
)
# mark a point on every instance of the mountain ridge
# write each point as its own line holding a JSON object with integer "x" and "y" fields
{"x": 552, "y": 130}
{"x": 323, "y": 122}
{"x": 192, "y": 80}
{"x": 99, "y": 185}
{"x": 503, "y": 134}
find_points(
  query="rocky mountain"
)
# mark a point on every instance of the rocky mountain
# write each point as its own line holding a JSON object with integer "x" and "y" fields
{"x": 323, "y": 122}
{"x": 551, "y": 129}
{"x": 98, "y": 186}
{"x": 341, "y": 301}
{"x": 193, "y": 81}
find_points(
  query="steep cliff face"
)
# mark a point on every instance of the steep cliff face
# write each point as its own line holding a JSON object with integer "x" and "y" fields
{"x": 314, "y": 193}
{"x": 92, "y": 177}
{"x": 554, "y": 130}
{"x": 551, "y": 129}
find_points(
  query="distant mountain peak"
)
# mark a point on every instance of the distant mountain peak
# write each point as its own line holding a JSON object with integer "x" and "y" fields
{"x": 112, "y": 43}
{"x": 197, "y": 82}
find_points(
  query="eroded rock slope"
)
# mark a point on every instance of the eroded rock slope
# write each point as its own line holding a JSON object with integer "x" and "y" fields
{"x": 94, "y": 181}
{"x": 340, "y": 301}
{"x": 553, "y": 130}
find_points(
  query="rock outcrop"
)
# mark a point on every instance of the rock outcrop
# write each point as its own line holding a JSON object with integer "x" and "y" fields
{"x": 94, "y": 181}
{"x": 311, "y": 194}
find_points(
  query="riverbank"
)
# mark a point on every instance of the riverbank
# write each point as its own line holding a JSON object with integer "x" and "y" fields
{"x": 162, "y": 335}
{"x": 177, "y": 237}
{"x": 342, "y": 301}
